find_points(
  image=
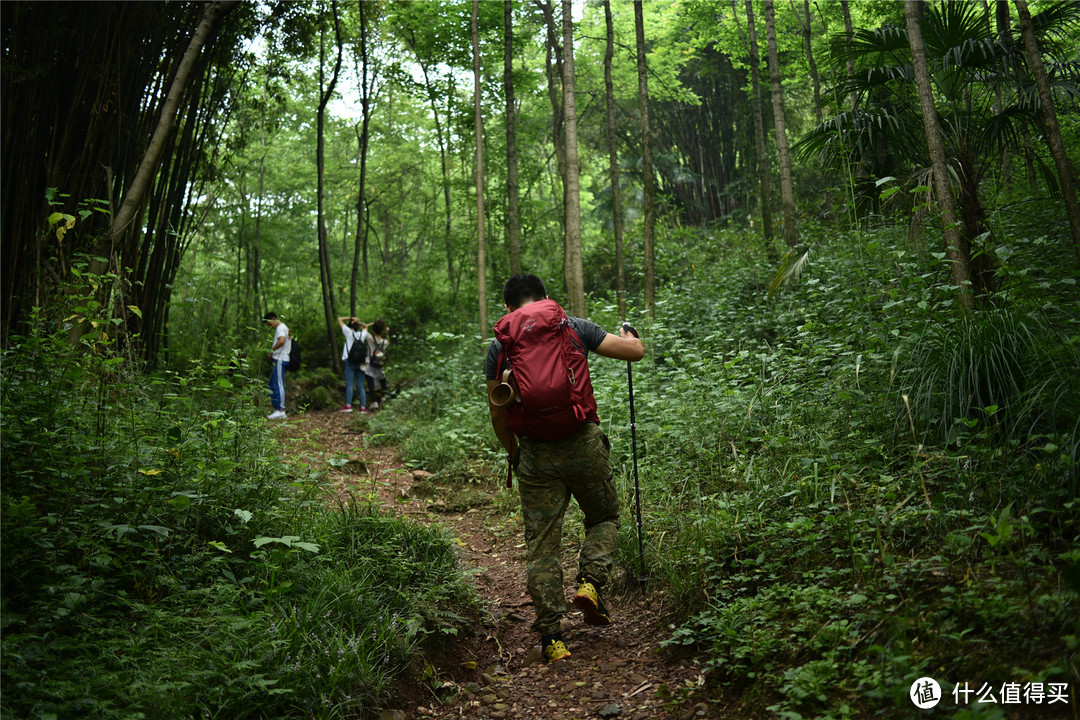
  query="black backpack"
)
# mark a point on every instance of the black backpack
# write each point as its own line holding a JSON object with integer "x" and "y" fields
{"x": 358, "y": 352}
{"x": 294, "y": 357}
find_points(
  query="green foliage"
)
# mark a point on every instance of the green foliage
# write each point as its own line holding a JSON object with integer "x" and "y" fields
{"x": 159, "y": 559}
{"x": 824, "y": 556}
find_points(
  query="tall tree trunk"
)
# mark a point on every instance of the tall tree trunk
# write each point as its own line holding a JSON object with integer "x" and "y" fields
{"x": 136, "y": 192}
{"x": 956, "y": 245}
{"x": 648, "y": 178}
{"x": 320, "y": 161}
{"x": 764, "y": 179}
{"x": 254, "y": 255}
{"x": 553, "y": 70}
{"x": 513, "y": 222}
{"x": 443, "y": 142}
{"x": 850, "y": 30}
{"x": 481, "y": 250}
{"x": 613, "y": 165}
{"x": 362, "y": 140}
{"x": 806, "y": 27}
{"x": 575, "y": 274}
{"x": 787, "y": 187}
{"x": 1066, "y": 172}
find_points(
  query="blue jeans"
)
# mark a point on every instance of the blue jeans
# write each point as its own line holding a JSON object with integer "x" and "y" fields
{"x": 277, "y": 385}
{"x": 353, "y": 373}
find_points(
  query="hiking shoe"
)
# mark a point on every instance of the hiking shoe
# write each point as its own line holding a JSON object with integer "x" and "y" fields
{"x": 363, "y": 411}
{"x": 277, "y": 415}
{"x": 553, "y": 648}
{"x": 588, "y": 601}
{"x": 346, "y": 408}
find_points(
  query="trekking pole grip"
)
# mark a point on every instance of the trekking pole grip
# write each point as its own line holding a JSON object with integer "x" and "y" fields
{"x": 626, "y": 326}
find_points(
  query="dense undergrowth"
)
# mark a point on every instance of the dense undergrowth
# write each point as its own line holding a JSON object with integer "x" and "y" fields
{"x": 159, "y": 559}
{"x": 847, "y": 485}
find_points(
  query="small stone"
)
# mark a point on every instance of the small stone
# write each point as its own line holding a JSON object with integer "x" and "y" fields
{"x": 599, "y": 695}
{"x": 611, "y": 710}
{"x": 489, "y": 698}
{"x": 392, "y": 715}
{"x": 534, "y": 657}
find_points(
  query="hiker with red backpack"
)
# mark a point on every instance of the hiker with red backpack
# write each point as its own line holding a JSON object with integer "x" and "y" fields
{"x": 545, "y": 416}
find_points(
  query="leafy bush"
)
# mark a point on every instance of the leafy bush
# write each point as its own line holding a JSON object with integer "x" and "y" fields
{"x": 159, "y": 559}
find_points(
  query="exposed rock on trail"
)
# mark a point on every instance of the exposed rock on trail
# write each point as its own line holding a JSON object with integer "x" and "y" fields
{"x": 616, "y": 671}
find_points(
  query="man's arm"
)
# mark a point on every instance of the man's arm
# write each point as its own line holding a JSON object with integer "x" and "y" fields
{"x": 623, "y": 346}
{"x": 498, "y": 422}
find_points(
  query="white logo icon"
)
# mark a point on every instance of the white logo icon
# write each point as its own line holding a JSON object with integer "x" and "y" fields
{"x": 925, "y": 693}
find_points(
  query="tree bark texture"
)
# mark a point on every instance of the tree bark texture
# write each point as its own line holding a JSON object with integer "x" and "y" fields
{"x": 575, "y": 273}
{"x": 648, "y": 178}
{"x": 320, "y": 144}
{"x": 1066, "y": 172}
{"x": 513, "y": 222}
{"x": 478, "y": 120}
{"x": 787, "y": 187}
{"x": 613, "y": 165}
{"x": 764, "y": 179}
{"x": 359, "y": 261}
{"x": 955, "y": 243}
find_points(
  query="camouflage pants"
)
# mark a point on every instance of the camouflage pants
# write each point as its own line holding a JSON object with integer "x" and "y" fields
{"x": 549, "y": 473}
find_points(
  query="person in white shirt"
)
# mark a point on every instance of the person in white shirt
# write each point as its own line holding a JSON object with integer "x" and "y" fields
{"x": 279, "y": 356}
{"x": 355, "y": 337}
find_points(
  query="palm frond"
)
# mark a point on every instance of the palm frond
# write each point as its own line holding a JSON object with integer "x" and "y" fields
{"x": 791, "y": 267}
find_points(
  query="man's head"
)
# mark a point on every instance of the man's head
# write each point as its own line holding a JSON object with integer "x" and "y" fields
{"x": 378, "y": 327}
{"x": 271, "y": 319}
{"x": 523, "y": 289}
{"x": 355, "y": 325}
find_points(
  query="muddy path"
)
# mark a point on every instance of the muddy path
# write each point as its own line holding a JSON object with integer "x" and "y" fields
{"x": 617, "y": 671}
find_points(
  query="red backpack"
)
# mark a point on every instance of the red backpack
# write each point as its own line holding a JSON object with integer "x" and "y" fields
{"x": 550, "y": 371}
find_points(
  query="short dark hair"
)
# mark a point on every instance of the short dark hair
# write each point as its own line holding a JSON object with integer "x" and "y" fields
{"x": 523, "y": 288}
{"x": 378, "y": 326}
{"x": 269, "y": 316}
{"x": 355, "y": 325}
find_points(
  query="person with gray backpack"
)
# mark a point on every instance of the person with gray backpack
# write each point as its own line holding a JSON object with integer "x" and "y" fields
{"x": 374, "y": 373}
{"x": 354, "y": 355}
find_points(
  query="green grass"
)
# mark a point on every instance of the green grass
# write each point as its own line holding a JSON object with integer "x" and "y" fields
{"x": 845, "y": 486}
{"x": 160, "y": 561}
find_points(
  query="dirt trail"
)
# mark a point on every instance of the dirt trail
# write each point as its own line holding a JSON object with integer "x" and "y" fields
{"x": 616, "y": 671}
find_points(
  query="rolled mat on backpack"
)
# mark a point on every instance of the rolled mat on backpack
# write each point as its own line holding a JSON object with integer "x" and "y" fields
{"x": 504, "y": 394}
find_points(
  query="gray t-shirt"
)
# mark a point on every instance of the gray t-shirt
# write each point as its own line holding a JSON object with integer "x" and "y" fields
{"x": 590, "y": 333}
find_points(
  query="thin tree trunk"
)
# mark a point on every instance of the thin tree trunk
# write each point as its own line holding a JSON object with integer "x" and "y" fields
{"x": 553, "y": 70}
{"x": 764, "y": 179}
{"x": 648, "y": 178}
{"x": 613, "y": 165}
{"x": 955, "y": 243}
{"x": 481, "y": 250}
{"x": 806, "y": 27}
{"x": 320, "y": 152}
{"x": 1066, "y": 172}
{"x": 255, "y": 261}
{"x": 850, "y": 30}
{"x": 133, "y": 198}
{"x": 513, "y": 222}
{"x": 787, "y": 188}
{"x": 361, "y": 202}
{"x": 447, "y": 239}
{"x": 575, "y": 274}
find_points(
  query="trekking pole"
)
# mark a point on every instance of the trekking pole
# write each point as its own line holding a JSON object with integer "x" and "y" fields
{"x": 633, "y": 445}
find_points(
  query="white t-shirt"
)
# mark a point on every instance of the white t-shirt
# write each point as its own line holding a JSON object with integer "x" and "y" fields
{"x": 282, "y": 353}
{"x": 351, "y": 336}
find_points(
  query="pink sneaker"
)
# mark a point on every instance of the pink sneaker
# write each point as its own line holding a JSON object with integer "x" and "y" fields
{"x": 363, "y": 411}
{"x": 346, "y": 408}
